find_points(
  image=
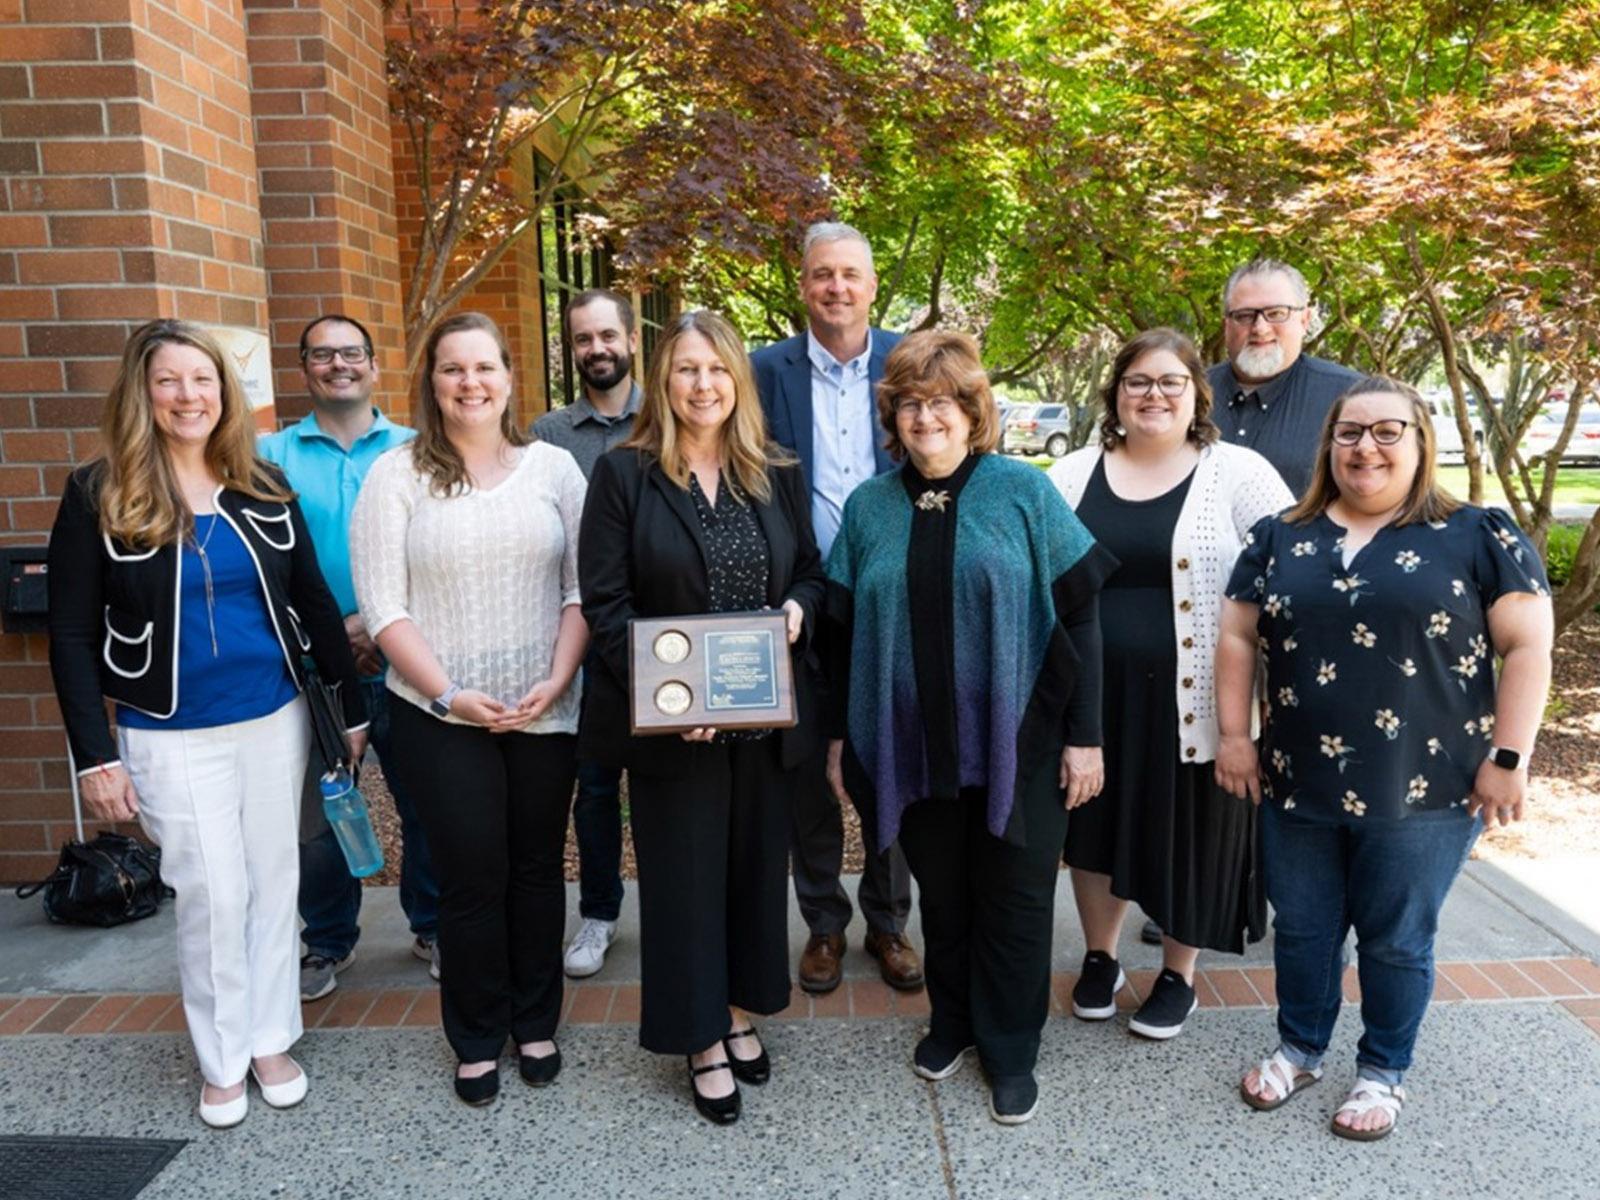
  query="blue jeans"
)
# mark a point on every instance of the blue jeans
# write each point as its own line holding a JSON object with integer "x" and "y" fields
{"x": 330, "y": 899}
{"x": 597, "y": 822}
{"x": 1387, "y": 880}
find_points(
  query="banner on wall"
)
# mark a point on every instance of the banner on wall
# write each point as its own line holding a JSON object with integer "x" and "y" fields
{"x": 252, "y": 358}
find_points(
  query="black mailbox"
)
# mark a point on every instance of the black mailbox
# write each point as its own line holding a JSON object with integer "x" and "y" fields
{"x": 27, "y": 593}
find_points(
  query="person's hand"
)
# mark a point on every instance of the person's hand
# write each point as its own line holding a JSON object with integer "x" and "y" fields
{"x": 703, "y": 734}
{"x": 358, "y": 745}
{"x": 1239, "y": 767}
{"x": 1083, "y": 774}
{"x": 108, "y": 794}
{"x": 362, "y": 647}
{"x": 1498, "y": 794}
{"x": 477, "y": 707}
{"x": 795, "y": 617}
{"x": 534, "y": 705}
{"x": 835, "y": 771}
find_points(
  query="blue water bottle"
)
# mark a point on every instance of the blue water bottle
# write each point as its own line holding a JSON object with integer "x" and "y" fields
{"x": 346, "y": 811}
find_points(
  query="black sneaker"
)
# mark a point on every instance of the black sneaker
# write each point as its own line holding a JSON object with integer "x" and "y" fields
{"x": 1094, "y": 996}
{"x": 935, "y": 1061}
{"x": 1162, "y": 1015}
{"x": 1013, "y": 1099}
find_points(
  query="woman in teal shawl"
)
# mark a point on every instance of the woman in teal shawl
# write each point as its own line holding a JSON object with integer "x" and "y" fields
{"x": 965, "y": 673}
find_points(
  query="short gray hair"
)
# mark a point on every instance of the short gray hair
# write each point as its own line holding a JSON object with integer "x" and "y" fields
{"x": 1268, "y": 266}
{"x": 835, "y": 231}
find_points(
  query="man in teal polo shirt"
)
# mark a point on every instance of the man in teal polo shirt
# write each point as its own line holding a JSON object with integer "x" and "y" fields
{"x": 326, "y": 457}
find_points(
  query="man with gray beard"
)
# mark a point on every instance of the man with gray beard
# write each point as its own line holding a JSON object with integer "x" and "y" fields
{"x": 1268, "y": 395}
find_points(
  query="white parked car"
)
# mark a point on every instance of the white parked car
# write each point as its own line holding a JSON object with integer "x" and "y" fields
{"x": 1447, "y": 438}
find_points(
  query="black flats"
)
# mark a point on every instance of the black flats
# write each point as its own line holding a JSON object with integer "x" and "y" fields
{"x": 480, "y": 1089}
{"x": 752, "y": 1070}
{"x": 539, "y": 1072}
{"x": 723, "y": 1110}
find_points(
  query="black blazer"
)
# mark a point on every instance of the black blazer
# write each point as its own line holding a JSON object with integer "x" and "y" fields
{"x": 641, "y": 553}
{"x": 114, "y": 613}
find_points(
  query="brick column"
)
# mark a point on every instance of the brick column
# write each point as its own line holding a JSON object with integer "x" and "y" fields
{"x": 130, "y": 193}
{"x": 327, "y": 185}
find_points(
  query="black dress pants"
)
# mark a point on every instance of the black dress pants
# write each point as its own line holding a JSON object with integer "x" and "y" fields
{"x": 494, "y": 809}
{"x": 988, "y": 911}
{"x": 712, "y": 848}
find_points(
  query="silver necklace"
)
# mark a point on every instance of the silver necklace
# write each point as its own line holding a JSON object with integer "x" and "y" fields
{"x": 205, "y": 570}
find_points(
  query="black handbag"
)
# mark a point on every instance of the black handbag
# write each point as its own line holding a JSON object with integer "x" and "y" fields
{"x": 109, "y": 881}
{"x": 330, "y": 745}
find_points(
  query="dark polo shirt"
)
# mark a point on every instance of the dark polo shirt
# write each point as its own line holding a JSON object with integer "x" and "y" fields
{"x": 1280, "y": 419}
{"x": 584, "y": 432}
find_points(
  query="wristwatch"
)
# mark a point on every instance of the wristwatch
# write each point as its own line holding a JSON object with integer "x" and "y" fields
{"x": 439, "y": 706}
{"x": 1506, "y": 758}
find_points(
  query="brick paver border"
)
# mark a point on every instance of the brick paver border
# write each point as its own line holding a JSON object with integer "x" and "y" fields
{"x": 1574, "y": 983}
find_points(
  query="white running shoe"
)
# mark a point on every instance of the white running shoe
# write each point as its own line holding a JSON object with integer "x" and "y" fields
{"x": 587, "y": 953}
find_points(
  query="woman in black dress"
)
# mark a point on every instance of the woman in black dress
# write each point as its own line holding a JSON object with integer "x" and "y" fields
{"x": 1173, "y": 504}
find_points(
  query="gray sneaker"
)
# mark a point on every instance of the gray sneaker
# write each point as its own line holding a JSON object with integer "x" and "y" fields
{"x": 427, "y": 949}
{"x": 317, "y": 973}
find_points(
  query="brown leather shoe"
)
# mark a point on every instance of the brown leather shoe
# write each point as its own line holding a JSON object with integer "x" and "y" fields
{"x": 822, "y": 963}
{"x": 898, "y": 962}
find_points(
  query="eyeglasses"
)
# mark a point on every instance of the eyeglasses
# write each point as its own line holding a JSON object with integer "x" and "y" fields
{"x": 323, "y": 355}
{"x": 1171, "y": 386}
{"x": 1385, "y": 433}
{"x": 1276, "y": 314}
{"x": 938, "y": 406}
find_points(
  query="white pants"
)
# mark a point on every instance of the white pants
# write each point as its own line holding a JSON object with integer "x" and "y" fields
{"x": 223, "y": 805}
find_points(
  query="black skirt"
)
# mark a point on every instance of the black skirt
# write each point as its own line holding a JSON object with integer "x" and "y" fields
{"x": 1172, "y": 841}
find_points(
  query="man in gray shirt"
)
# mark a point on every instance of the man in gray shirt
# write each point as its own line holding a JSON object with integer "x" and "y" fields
{"x": 599, "y": 328}
{"x": 1268, "y": 395}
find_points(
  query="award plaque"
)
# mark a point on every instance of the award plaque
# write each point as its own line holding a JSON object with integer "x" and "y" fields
{"x": 725, "y": 670}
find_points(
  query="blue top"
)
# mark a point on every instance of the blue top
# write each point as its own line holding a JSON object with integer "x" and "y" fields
{"x": 844, "y": 426}
{"x": 1281, "y": 419}
{"x": 1380, "y": 675}
{"x": 328, "y": 478}
{"x": 247, "y": 677}
{"x": 1020, "y": 559}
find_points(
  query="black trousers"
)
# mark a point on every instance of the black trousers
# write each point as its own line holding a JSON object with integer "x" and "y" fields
{"x": 494, "y": 809}
{"x": 816, "y": 847}
{"x": 988, "y": 911}
{"x": 713, "y": 900}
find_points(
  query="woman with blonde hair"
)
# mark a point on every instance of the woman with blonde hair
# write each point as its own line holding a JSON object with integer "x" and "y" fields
{"x": 1380, "y": 605}
{"x": 463, "y": 549}
{"x": 187, "y": 593}
{"x": 699, "y": 513}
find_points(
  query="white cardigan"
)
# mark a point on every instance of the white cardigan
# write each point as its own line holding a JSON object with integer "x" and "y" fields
{"x": 1233, "y": 488}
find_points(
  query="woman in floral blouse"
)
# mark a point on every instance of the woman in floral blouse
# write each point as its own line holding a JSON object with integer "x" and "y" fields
{"x": 1381, "y": 604}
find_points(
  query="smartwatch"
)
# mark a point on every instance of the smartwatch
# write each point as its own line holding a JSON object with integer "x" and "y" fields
{"x": 1506, "y": 758}
{"x": 439, "y": 706}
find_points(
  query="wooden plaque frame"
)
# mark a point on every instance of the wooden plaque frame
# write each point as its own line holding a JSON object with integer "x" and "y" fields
{"x": 734, "y": 673}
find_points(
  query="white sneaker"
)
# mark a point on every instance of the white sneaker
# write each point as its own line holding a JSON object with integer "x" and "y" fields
{"x": 587, "y": 953}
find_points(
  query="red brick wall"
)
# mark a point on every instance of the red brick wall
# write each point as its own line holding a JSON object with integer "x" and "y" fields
{"x": 327, "y": 187}
{"x": 130, "y": 192}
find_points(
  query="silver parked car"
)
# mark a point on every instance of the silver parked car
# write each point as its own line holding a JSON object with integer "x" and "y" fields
{"x": 1038, "y": 429}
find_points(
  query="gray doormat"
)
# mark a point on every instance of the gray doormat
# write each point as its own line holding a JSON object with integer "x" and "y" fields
{"x": 81, "y": 1168}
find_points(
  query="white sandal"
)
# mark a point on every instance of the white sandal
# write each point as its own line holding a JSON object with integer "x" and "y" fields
{"x": 1367, "y": 1095}
{"x": 1282, "y": 1077}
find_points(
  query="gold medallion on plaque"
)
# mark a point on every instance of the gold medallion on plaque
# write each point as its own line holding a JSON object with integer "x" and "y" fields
{"x": 673, "y": 698}
{"x": 671, "y": 647}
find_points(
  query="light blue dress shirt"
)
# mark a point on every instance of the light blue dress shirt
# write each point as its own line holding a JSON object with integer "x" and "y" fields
{"x": 844, "y": 425}
{"x": 328, "y": 478}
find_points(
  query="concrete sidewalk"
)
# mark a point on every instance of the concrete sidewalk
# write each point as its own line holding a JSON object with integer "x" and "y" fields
{"x": 1505, "y": 1099}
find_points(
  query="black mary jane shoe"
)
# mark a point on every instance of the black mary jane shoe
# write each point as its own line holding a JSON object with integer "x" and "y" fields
{"x": 541, "y": 1071}
{"x": 748, "y": 1070}
{"x": 724, "y": 1110}
{"x": 480, "y": 1089}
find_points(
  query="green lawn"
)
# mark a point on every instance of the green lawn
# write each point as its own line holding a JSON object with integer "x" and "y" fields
{"x": 1574, "y": 485}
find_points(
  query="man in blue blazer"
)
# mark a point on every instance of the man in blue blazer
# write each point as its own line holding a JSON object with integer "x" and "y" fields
{"x": 819, "y": 393}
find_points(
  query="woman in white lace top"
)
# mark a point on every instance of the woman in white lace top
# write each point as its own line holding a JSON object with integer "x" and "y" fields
{"x": 463, "y": 546}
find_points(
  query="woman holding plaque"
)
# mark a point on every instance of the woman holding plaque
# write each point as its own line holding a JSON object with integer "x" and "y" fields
{"x": 463, "y": 548}
{"x": 698, "y": 513}
{"x": 962, "y": 590}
